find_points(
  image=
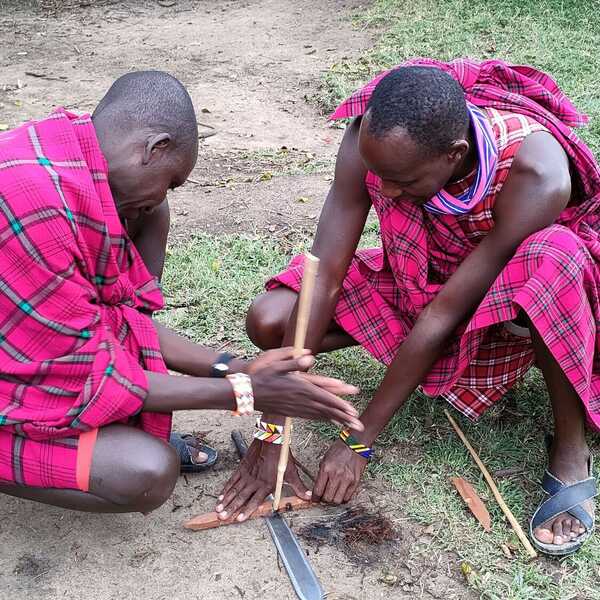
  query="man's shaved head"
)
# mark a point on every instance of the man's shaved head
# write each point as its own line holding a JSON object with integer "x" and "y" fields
{"x": 415, "y": 134}
{"x": 147, "y": 129}
{"x": 151, "y": 99}
{"x": 425, "y": 102}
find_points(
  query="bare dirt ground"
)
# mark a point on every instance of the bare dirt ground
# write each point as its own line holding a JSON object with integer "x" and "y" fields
{"x": 249, "y": 66}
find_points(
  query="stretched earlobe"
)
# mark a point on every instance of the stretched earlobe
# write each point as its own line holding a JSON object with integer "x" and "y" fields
{"x": 158, "y": 141}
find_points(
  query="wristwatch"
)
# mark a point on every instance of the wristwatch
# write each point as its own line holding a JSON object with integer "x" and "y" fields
{"x": 221, "y": 367}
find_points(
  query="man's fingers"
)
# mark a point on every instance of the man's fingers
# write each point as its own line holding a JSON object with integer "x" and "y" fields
{"x": 332, "y": 385}
{"x": 279, "y": 354}
{"x": 252, "y": 504}
{"x": 323, "y": 397}
{"x": 350, "y": 491}
{"x": 320, "y": 485}
{"x": 238, "y": 501}
{"x": 232, "y": 481}
{"x": 227, "y": 496}
{"x": 340, "y": 495}
{"x": 294, "y": 481}
{"x": 293, "y": 364}
{"x": 333, "y": 484}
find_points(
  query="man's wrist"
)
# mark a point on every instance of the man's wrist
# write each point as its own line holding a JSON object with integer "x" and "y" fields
{"x": 226, "y": 364}
{"x": 355, "y": 445}
{"x": 239, "y": 365}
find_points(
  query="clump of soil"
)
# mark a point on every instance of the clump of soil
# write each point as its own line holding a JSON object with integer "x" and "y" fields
{"x": 356, "y": 532}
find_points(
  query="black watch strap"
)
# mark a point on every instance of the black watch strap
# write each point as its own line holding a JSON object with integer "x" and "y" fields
{"x": 220, "y": 368}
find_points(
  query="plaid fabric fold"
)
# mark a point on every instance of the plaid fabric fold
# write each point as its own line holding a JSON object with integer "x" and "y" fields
{"x": 75, "y": 335}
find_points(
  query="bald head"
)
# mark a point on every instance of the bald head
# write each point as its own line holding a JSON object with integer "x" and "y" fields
{"x": 150, "y": 100}
{"x": 147, "y": 130}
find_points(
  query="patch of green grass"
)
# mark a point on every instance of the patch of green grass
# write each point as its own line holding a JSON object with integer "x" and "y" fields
{"x": 559, "y": 36}
{"x": 209, "y": 285}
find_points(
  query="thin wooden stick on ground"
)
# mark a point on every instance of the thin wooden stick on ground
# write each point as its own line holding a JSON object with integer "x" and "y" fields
{"x": 311, "y": 264}
{"x": 511, "y": 519}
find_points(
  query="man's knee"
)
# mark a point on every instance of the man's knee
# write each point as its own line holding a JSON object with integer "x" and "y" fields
{"x": 266, "y": 321}
{"x": 154, "y": 479}
{"x": 138, "y": 473}
{"x": 557, "y": 242}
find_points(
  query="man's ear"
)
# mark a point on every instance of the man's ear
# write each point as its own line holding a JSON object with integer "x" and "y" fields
{"x": 155, "y": 143}
{"x": 458, "y": 150}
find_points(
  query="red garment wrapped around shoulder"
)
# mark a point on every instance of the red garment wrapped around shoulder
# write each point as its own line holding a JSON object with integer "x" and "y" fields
{"x": 75, "y": 296}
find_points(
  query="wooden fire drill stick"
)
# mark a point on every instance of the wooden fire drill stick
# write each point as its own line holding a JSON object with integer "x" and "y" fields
{"x": 311, "y": 265}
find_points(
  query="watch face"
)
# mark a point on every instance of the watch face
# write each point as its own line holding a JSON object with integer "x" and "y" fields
{"x": 221, "y": 367}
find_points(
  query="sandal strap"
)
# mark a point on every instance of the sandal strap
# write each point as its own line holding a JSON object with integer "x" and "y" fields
{"x": 183, "y": 450}
{"x": 551, "y": 484}
{"x": 583, "y": 516}
{"x": 565, "y": 500}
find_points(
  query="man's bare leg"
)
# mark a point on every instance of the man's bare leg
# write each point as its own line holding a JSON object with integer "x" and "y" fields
{"x": 131, "y": 471}
{"x": 268, "y": 317}
{"x": 569, "y": 453}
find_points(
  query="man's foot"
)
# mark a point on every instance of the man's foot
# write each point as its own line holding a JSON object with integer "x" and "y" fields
{"x": 193, "y": 454}
{"x": 567, "y": 466}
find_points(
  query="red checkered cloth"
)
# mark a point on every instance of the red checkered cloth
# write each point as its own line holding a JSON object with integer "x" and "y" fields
{"x": 554, "y": 275}
{"x": 75, "y": 300}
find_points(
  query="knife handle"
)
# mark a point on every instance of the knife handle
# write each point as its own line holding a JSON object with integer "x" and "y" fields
{"x": 240, "y": 443}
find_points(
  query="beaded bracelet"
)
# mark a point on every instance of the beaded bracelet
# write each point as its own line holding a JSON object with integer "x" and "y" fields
{"x": 355, "y": 445}
{"x": 268, "y": 432}
{"x": 242, "y": 390}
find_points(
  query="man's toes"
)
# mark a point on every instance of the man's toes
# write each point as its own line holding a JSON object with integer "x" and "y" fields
{"x": 567, "y": 527}
{"x": 577, "y": 528}
{"x": 557, "y": 529}
{"x": 198, "y": 457}
{"x": 544, "y": 535}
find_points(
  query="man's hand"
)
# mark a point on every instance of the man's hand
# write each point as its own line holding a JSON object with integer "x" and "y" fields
{"x": 339, "y": 474}
{"x": 271, "y": 357}
{"x": 255, "y": 479}
{"x": 279, "y": 389}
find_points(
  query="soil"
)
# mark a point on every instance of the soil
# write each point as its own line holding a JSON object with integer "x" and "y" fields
{"x": 250, "y": 66}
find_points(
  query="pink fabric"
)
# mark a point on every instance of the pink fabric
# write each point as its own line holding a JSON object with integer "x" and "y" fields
{"x": 75, "y": 296}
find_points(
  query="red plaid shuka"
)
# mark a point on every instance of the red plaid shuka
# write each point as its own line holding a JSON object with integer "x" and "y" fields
{"x": 75, "y": 299}
{"x": 554, "y": 275}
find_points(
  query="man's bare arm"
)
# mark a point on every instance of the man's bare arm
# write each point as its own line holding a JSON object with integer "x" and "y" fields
{"x": 149, "y": 234}
{"x": 340, "y": 226}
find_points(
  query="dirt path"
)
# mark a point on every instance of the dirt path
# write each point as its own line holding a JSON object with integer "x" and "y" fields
{"x": 248, "y": 66}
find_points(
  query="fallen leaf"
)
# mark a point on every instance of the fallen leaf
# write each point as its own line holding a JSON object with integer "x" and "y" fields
{"x": 266, "y": 176}
{"x": 473, "y": 501}
{"x": 4, "y": 127}
{"x": 303, "y": 199}
{"x": 215, "y": 266}
{"x": 466, "y": 569}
